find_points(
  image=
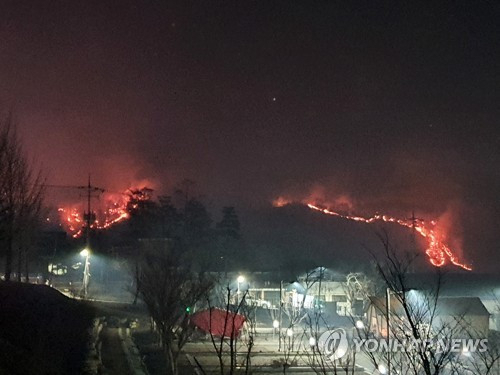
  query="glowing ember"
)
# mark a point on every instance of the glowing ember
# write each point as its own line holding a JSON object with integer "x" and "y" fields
{"x": 437, "y": 251}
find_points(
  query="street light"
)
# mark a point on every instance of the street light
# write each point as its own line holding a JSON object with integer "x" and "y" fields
{"x": 276, "y": 325}
{"x": 388, "y": 292}
{"x": 466, "y": 352}
{"x": 86, "y": 271}
{"x": 388, "y": 311}
{"x": 240, "y": 280}
{"x": 360, "y": 324}
{"x": 312, "y": 342}
{"x": 280, "y": 314}
{"x": 382, "y": 369}
{"x": 289, "y": 333}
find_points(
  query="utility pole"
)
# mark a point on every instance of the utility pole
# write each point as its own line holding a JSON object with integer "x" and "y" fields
{"x": 317, "y": 307}
{"x": 414, "y": 221}
{"x": 90, "y": 217}
{"x": 388, "y": 311}
{"x": 280, "y": 312}
{"x": 321, "y": 270}
{"x": 87, "y": 239}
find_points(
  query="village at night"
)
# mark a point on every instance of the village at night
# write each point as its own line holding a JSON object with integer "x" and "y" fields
{"x": 249, "y": 187}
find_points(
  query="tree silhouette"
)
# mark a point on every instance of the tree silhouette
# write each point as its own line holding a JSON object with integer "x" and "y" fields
{"x": 21, "y": 195}
{"x": 228, "y": 239}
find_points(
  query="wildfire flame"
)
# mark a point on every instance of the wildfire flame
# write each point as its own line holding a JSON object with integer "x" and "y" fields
{"x": 437, "y": 251}
{"x": 112, "y": 211}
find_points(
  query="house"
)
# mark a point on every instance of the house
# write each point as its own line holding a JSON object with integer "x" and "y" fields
{"x": 469, "y": 313}
{"x": 376, "y": 314}
{"x": 332, "y": 292}
{"x": 466, "y": 316}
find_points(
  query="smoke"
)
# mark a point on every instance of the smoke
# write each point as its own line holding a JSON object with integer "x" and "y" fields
{"x": 154, "y": 104}
{"x": 319, "y": 195}
{"x": 449, "y": 226}
{"x": 444, "y": 239}
{"x": 340, "y": 202}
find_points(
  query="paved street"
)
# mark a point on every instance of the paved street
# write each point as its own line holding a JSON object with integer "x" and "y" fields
{"x": 265, "y": 358}
{"x": 114, "y": 358}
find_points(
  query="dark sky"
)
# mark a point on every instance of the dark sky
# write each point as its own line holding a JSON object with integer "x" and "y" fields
{"x": 394, "y": 104}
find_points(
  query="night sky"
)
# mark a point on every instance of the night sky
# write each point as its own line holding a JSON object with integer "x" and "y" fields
{"x": 393, "y": 105}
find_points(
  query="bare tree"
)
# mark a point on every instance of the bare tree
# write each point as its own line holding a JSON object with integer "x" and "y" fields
{"x": 229, "y": 344}
{"x": 314, "y": 354}
{"x": 27, "y": 224}
{"x": 21, "y": 195}
{"x": 358, "y": 287}
{"x": 297, "y": 309}
{"x": 316, "y": 325}
{"x": 410, "y": 316}
{"x": 171, "y": 292}
{"x": 483, "y": 360}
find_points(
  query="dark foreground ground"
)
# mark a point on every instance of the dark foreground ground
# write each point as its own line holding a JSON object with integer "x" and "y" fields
{"x": 42, "y": 331}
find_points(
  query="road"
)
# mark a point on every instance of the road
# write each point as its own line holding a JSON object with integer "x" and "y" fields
{"x": 265, "y": 358}
{"x": 113, "y": 355}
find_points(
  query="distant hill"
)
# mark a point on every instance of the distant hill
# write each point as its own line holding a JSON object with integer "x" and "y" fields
{"x": 295, "y": 237}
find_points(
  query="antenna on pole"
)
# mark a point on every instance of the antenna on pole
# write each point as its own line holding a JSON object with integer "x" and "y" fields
{"x": 89, "y": 215}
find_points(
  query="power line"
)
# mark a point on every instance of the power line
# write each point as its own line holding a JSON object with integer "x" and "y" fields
{"x": 83, "y": 187}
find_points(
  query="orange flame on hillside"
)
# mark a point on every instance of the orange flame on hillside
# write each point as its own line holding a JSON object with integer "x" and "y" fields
{"x": 437, "y": 251}
{"x": 112, "y": 210}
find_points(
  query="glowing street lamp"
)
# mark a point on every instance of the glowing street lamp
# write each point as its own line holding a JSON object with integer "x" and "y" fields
{"x": 466, "y": 352}
{"x": 290, "y": 333}
{"x": 312, "y": 342}
{"x": 86, "y": 271}
{"x": 276, "y": 325}
{"x": 360, "y": 324}
{"x": 382, "y": 369}
{"x": 240, "y": 280}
